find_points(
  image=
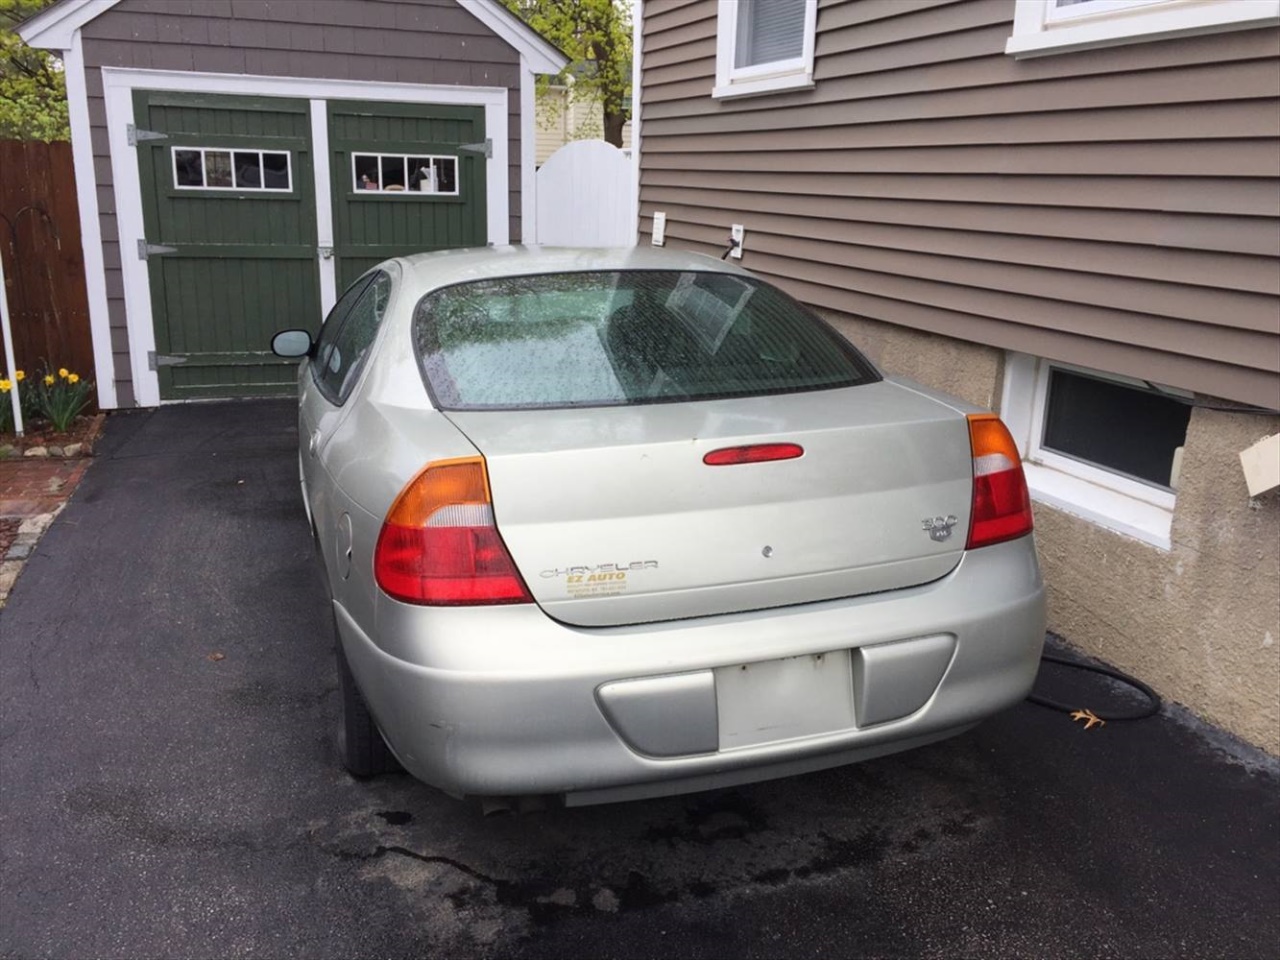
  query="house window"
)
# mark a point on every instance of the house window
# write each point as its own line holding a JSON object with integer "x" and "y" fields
{"x": 401, "y": 174}
{"x": 764, "y": 46}
{"x": 1100, "y": 446}
{"x": 214, "y": 168}
{"x": 1057, "y": 26}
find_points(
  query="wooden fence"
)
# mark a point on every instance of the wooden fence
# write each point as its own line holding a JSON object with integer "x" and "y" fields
{"x": 43, "y": 261}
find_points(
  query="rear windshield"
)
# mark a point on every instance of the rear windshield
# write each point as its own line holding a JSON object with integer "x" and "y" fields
{"x": 629, "y": 337}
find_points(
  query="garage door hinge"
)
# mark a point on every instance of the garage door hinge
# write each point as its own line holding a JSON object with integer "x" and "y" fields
{"x": 484, "y": 147}
{"x": 156, "y": 361}
{"x": 145, "y": 249}
{"x": 135, "y": 136}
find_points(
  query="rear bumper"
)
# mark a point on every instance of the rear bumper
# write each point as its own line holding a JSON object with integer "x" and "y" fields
{"x": 506, "y": 701}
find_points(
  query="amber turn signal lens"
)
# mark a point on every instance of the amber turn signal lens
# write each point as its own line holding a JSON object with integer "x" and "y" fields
{"x": 1001, "y": 503}
{"x": 440, "y": 546}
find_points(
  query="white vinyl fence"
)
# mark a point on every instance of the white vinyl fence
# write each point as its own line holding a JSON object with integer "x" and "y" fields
{"x": 584, "y": 197}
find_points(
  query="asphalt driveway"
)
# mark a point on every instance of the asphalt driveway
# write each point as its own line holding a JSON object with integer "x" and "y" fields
{"x": 168, "y": 784}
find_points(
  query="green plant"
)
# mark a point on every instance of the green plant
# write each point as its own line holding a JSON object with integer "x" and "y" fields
{"x": 6, "y": 405}
{"x": 60, "y": 397}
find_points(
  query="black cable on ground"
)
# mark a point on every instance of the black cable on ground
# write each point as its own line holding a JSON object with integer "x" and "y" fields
{"x": 1150, "y": 710}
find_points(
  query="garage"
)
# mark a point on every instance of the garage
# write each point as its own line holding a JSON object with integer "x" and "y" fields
{"x": 237, "y": 165}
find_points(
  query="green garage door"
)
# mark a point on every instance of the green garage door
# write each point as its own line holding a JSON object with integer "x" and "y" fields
{"x": 229, "y": 211}
{"x": 407, "y": 178}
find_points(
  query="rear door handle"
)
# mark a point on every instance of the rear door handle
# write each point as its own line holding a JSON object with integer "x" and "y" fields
{"x": 314, "y": 443}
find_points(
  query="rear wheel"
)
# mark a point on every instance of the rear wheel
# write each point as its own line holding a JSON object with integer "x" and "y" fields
{"x": 364, "y": 752}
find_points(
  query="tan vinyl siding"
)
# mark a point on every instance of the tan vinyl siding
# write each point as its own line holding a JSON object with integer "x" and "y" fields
{"x": 1117, "y": 208}
{"x": 397, "y": 41}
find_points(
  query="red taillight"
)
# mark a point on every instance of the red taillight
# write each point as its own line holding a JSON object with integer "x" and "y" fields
{"x": 755, "y": 453}
{"x": 1001, "y": 503}
{"x": 439, "y": 545}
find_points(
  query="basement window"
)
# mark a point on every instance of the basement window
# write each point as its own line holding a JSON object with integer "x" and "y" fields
{"x": 764, "y": 47}
{"x": 1100, "y": 446}
{"x": 404, "y": 174}
{"x": 216, "y": 168}
{"x": 1043, "y": 27}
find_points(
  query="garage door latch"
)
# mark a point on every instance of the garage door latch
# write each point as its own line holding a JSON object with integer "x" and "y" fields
{"x": 155, "y": 361}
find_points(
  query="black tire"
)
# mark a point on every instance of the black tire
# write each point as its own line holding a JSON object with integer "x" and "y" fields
{"x": 364, "y": 753}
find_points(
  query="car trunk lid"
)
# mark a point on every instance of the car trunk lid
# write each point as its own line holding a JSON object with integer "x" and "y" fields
{"x": 612, "y": 516}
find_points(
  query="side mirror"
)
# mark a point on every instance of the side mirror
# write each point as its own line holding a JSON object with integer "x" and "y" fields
{"x": 292, "y": 344}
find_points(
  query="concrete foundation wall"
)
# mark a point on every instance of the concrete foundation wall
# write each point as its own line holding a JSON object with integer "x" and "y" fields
{"x": 1199, "y": 622}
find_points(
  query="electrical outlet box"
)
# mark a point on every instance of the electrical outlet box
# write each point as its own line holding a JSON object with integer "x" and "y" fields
{"x": 659, "y": 229}
{"x": 737, "y": 233}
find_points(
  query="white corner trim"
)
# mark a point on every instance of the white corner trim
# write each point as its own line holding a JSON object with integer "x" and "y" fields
{"x": 56, "y": 27}
{"x": 118, "y": 86}
{"x": 731, "y": 81}
{"x": 542, "y": 56}
{"x": 528, "y": 154}
{"x": 95, "y": 278}
{"x": 1037, "y": 33}
{"x": 637, "y": 135}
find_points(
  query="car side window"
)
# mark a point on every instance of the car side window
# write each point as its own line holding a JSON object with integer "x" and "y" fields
{"x": 342, "y": 351}
{"x": 333, "y": 325}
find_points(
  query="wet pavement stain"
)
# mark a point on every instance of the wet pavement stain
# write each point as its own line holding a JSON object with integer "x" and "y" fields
{"x": 396, "y": 818}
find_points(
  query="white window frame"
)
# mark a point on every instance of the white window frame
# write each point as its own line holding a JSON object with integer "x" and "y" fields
{"x": 793, "y": 74}
{"x": 404, "y": 158}
{"x": 1040, "y": 27}
{"x": 1109, "y": 499}
{"x": 204, "y": 170}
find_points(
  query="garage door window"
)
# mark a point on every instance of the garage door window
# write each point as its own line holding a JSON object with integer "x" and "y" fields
{"x": 404, "y": 174}
{"x": 214, "y": 168}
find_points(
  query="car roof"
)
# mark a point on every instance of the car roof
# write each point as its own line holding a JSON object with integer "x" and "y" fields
{"x": 430, "y": 271}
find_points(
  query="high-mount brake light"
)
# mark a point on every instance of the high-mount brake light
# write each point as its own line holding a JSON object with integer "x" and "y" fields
{"x": 439, "y": 544}
{"x": 753, "y": 453}
{"x": 1001, "y": 503}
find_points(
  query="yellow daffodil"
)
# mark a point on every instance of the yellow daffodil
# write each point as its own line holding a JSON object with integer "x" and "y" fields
{"x": 48, "y": 379}
{"x": 4, "y": 386}
{"x": 19, "y": 375}
{"x": 74, "y": 378}
{"x": 62, "y": 372}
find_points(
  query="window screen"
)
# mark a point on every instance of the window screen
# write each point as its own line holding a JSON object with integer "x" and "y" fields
{"x": 609, "y": 338}
{"x": 768, "y": 31}
{"x": 1117, "y": 427}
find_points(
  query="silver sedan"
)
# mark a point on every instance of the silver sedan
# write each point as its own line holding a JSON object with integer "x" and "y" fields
{"x": 606, "y": 524}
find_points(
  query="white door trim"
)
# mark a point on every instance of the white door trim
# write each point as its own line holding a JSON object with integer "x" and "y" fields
{"x": 324, "y": 204}
{"x": 118, "y": 86}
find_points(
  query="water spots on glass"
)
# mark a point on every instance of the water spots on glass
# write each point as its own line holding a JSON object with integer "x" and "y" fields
{"x": 623, "y": 337}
